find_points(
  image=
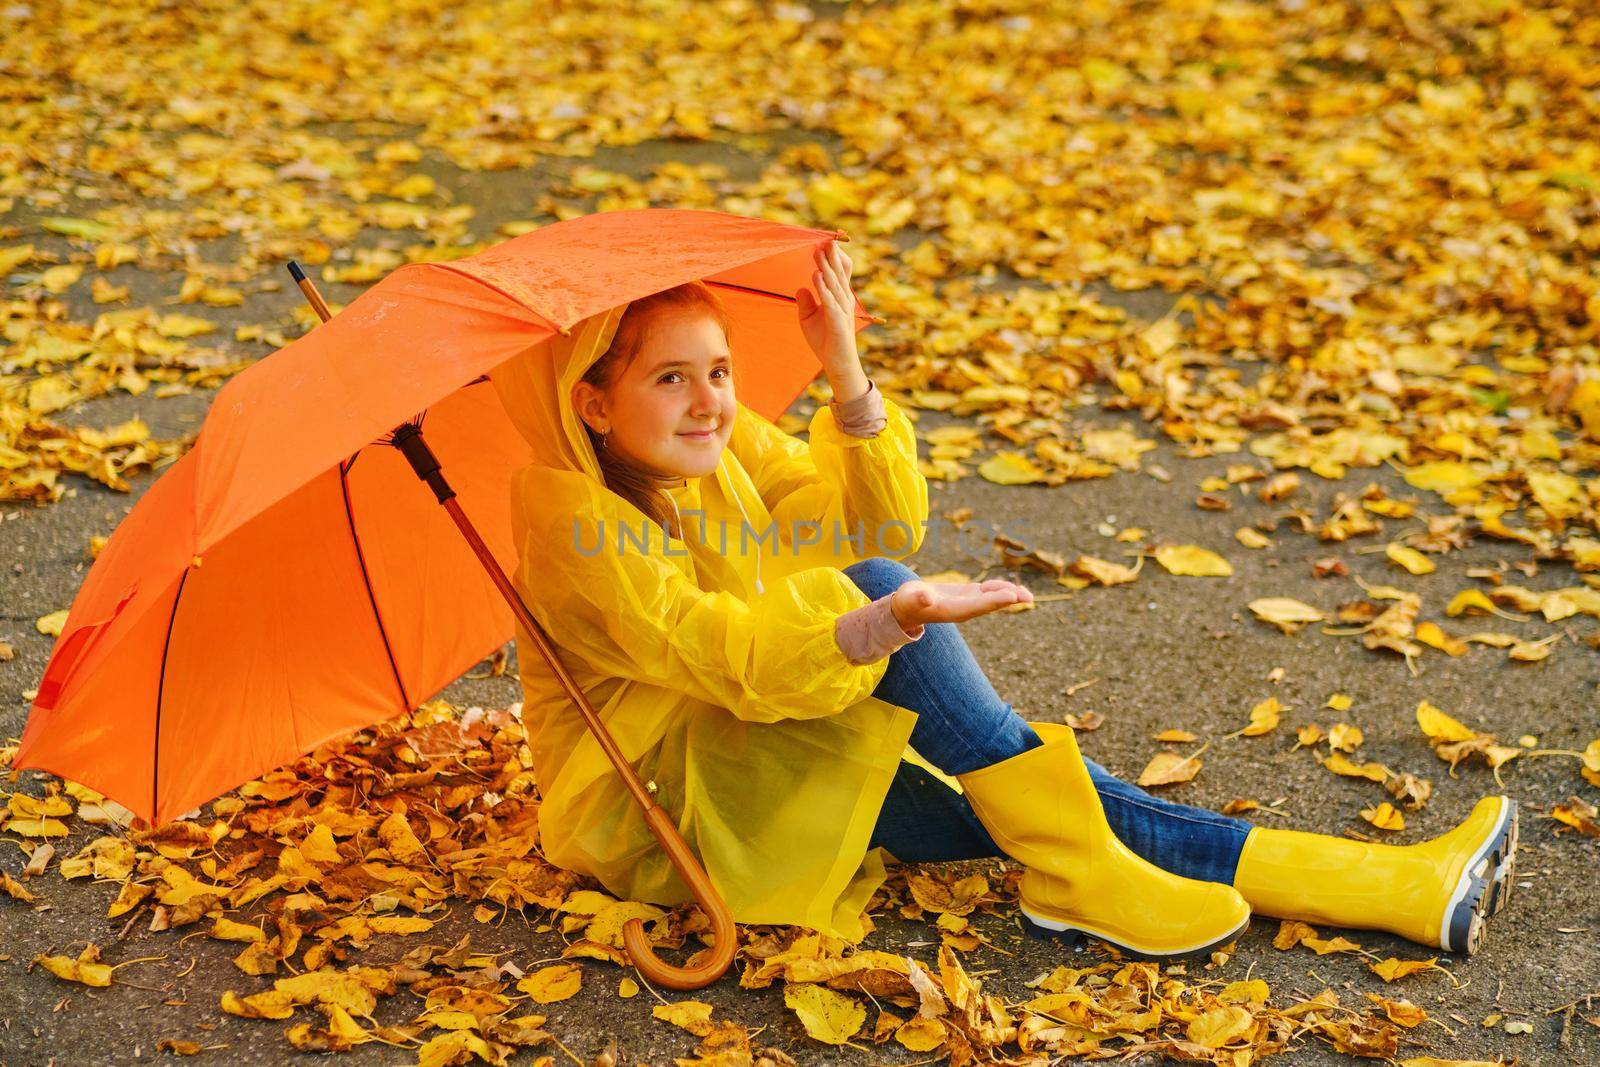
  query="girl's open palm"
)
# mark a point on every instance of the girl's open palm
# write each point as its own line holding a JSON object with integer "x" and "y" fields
{"x": 918, "y": 602}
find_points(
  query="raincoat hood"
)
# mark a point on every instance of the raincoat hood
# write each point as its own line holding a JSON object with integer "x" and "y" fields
{"x": 535, "y": 388}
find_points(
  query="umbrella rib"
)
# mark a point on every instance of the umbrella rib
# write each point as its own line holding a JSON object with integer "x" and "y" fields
{"x": 748, "y": 289}
{"x": 453, "y": 269}
{"x": 366, "y": 580}
{"x": 161, "y": 688}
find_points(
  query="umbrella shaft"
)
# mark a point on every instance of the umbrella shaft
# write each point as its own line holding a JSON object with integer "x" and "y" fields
{"x": 542, "y": 642}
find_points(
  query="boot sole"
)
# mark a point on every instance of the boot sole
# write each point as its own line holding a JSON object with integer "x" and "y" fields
{"x": 1072, "y": 937}
{"x": 1500, "y": 887}
{"x": 1484, "y": 886}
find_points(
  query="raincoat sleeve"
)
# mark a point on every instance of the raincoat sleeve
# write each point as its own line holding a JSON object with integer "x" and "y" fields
{"x": 636, "y": 615}
{"x": 871, "y": 481}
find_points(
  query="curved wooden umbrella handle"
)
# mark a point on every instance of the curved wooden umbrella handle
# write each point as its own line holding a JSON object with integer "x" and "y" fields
{"x": 725, "y": 936}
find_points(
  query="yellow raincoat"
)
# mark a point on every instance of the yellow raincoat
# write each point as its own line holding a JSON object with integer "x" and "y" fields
{"x": 763, "y": 741}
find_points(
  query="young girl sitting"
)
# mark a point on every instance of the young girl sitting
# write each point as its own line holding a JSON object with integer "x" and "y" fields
{"x": 765, "y": 666}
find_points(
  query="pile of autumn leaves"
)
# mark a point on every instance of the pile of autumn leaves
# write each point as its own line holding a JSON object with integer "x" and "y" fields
{"x": 52, "y": 362}
{"x": 384, "y": 833}
{"x": 1397, "y": 223}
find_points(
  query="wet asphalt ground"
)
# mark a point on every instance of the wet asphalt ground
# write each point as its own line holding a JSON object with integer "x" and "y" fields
{"x": 1164, "y": 652}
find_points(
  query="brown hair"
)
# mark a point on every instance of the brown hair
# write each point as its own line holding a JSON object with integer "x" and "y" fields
{"x": 639, "y": 487}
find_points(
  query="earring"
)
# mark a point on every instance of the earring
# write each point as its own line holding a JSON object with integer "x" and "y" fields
{"x": 604, "y": 438}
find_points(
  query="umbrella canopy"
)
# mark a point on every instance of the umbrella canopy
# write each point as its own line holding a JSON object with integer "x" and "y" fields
{"x": 289, "y": 579}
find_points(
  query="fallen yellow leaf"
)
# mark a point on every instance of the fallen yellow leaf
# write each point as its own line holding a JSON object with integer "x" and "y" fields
{"x": 1010, "y": 468}
{"x": 827, "y": 1015}
{"x": 272, "y": 1004}
{"x": 1286, "y": 613}
{"x": 1410, "y": 559}
{"x": 554, "y": 983}
{"x": 1385, "y": 817}
{"x": 1375, "y": 772}
{"x": 51, "y": 625}
{"x": 1193, "y": 561}
{"x": 13, "y": 257}
{"x": 1402, "y": 1012}
{"x": 1250, "y": 537}
{"x": 691, "y": 1015}
{"x": 1264, "y": 718}
{"x": 1473, "y": 601}
{"x": 1103, "y": 571}
{"x": 87, "y": 971}
{"x": 1345, "y": 738}
{"x": 1440, "y": 727}
{"x": 1392, "y": 969}
{"x": 229, "y": 930}
{"x": 1534, "y": 651}
{"x": 1219, "y": 1026}
{"x": 1308, "y": 735}
{"x": 1169, "y": 768}
{"x": 1434, "y": 635}
{"x": 60, "y": 279}
{"x": 921, "y": 1034}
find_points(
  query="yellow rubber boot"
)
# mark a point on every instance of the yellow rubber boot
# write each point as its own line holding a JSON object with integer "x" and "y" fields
{"x": 1437, "y": 893}
{"x": 1042, "y": 809}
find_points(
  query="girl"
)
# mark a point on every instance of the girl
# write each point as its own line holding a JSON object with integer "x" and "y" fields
{"x": 731, "y": 601}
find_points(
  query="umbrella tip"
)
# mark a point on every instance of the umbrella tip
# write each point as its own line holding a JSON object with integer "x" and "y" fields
{"x": 296, "y": 273}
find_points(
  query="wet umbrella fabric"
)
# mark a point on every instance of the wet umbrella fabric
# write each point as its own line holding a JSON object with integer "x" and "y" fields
{"x": 289, "y": 579}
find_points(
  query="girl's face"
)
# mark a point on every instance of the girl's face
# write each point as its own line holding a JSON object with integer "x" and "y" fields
{"x": 670, "y": 412}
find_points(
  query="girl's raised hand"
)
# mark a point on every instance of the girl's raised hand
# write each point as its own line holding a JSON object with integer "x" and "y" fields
{"x": 830, "y": 325}
{"x": 918, "y": 602}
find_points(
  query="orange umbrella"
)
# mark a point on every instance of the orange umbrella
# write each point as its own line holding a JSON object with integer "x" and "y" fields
{"x": 288, "y": 581}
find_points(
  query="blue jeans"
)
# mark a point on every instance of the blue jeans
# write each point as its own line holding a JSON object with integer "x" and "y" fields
{"x": 963, "y": 725}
